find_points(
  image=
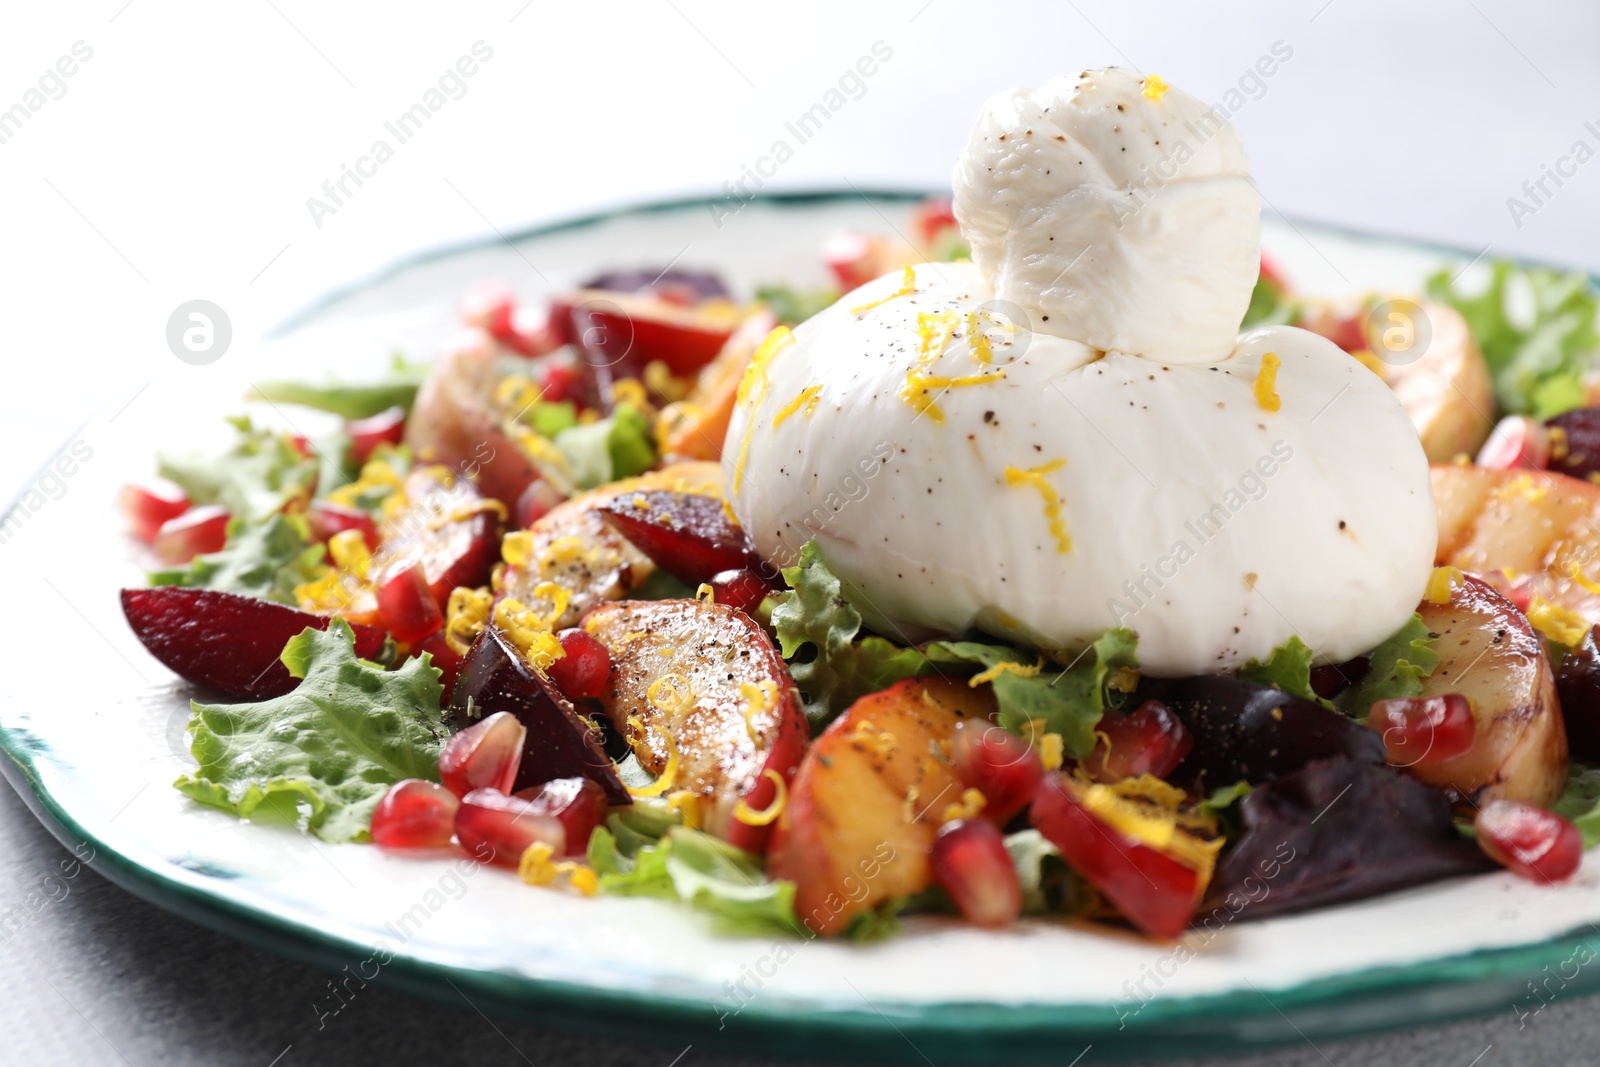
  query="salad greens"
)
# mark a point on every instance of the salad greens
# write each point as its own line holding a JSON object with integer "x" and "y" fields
{"x": 793, "y": 306}
{"x": 1288, "y": 669}
{"x": 350, "y": 401}
{"x": 615, "y": 447}
{"x": 325, "y": 753}
{"x": 1581, "y": 801}
{"x": 1538, "y": 359}
{"x": 266, "y": 560}
{"x": 816, "y": 612}
{"x": 1269, "y": 306}
{"x": 1398, "y": 667}
{"x": 253, "y": 479}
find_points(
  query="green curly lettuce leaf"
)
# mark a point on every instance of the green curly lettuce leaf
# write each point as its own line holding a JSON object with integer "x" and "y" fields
{"x": 266, "y": 560}
{"x": 1068, "y": 702}
{"x": 617, "y": 446}
{"x": 252, "y": 479}
{"x": 1269, "y": 306}
{"x": 1399, "y": 666}
{"x": 1581, "y": 801}
{"x": 350, "y": 400}
{"x": 1288, "y": 669}
{"x": 793, "y": 306}
{"x": 326, "y": 752}
{"x": 1537, "y": 329}
{"x": 815, "y": 613}
{"x": 701, "y": 871}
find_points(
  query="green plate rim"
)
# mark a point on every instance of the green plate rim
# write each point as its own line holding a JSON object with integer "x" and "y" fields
{"x": 1360, "y": 1003}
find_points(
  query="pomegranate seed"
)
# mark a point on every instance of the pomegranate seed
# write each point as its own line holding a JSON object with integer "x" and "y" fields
{"x": 443, "y": 657}
{"x": 149, "y": 503}
{"x": 530, "y": 333}
{"x": 585, "y": 669}
{"x": 742, "y": 588}
{"x": 498, "y": 829}
{"x": 578, "y": 803}
{"x": 1529, "y": 841}
{"x": 415, "y": 814}
{"x": 1423, "y": 730}
{"x": 485, "y": 755}
{"x": 535, "y": 502}
{"x": 1331, "y": 679}
{"x": 301, "y": 444}
{"x": 327, "y": 518}
{"x": 561, "y": 380}
{"x": 932, "y": 218}
{"x": 384, "y": 428}
{"x": 490, "y": 307}
{"x": 1517, "y": 441}
{"x": 1150, "y": 741}
{"x": 997, "y": 763}
{"x": 970, "y": 862}
{"x": 194, "y": 533}
{"x": 1152, "y": 890}
{"x": 407, "y": 607}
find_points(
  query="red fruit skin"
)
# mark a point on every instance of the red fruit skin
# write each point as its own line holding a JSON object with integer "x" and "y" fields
{"x": 384, "y": 428}
{"x": 490, "y": 307}
{"x": 224, "y": 641}
{"x": 560, "y": 745}
{"x": 998, "y": 763}
{"x": 535, "y": 503}
{"x": 407, "y": 606}
{"x": 783, "y": 758}
{"x": 485, "y": 755}
{"x": 971, "y": 864}
{"x": 194, "y": 533}
{"x": 495, "y": 828}
{"x": 327, "y": 518}
{"x": 442, "y": 656}
{"x": 687, "y": 534}
{"x": 1152, "y": 740}
{"x": 577, "y": 803}
{"x": 743, "y": 588}
{"x": 932, "y": 218}
{"x": 1537, "y": 844}
{"x": 1273, "y": 273}
{"x": 1418, "y": 731}
{"x": 1516, "y": 442}
{"x": 149, "y": 503}
{"x": 614, "y": 328}
{"x": 452, "y": 553}
{"x": 583, "y": 672}
{"x": 415, "y": 814}
{"x": 1154, "y": 892}
{"x": 852, "y": 256}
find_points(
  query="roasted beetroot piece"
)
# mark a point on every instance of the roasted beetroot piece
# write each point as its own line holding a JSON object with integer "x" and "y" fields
{"x": 689, "y": 535}
{"x": 1537, "y": 844}
{"x": 1246, "y": 731}
{"x": 415, "y": 814}
{"x": 1151, "y": 889}
{"x": 1331, "y": 679}
{"x": 698, "y": 284}
{"x": 1575, "y": 443}
{"x": 997, "y": 763}
{"x": 583, "y": 672}
{"x": 495, "y": 677}
{"x": 224, "y": 641}
{"x": 577, "y": 803}
{"x": 626, "y": 332}
{"x": 149, "y": 503}
{"x": 1338, "y": 829}
{"x": 1150, "y": 740}
{"x": 1578, "y": 685}
{"x": 971, "y": 864}
{"x": 384, "y": 428}
{"x": 498, "y": 829}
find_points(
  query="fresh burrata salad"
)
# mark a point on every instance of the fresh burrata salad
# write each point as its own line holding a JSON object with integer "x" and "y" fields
{"x": 1063, "y": 561}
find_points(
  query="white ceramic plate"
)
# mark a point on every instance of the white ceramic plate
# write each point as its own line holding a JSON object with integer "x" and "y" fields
{"x": 93, "y": 730}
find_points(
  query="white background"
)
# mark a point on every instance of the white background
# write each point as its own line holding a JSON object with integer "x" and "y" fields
{"x": 178, "y": 163}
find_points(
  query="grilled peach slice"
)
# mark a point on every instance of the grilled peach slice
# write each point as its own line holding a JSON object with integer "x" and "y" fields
{"x": 1446, "y": 390}
{"x": 1541, "y": 529}
{"x": 694, "y": 428}
{"x": 869, "y": 798}
{"x": 574, "y": 546}
{"x": 705, "y": 681}
{"x": 1491, "y": 655}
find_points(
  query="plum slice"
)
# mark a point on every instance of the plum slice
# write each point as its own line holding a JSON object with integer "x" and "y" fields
{"x": 689, "y": 535}
{"x": 1338, "y": 829}
{"x": 1254, "y": 732}
{"x": 495, "y": 677}
{"x": 225, "y": 641}
{"x": 446, "y": 528}
{"x": 700, "y": 687}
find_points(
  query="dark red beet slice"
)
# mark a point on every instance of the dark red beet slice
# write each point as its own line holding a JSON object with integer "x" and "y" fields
{"x": 495, "y": 677}
{"x": 224, "y": 641}
{"x": 688, "y": 535}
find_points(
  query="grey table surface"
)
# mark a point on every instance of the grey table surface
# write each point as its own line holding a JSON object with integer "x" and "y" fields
{"x": 90, "y": 975}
